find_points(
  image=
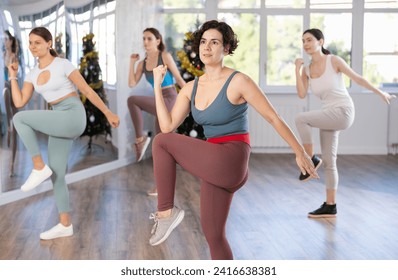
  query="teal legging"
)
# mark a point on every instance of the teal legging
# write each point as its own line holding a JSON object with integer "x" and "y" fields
{"x": 65, "y": 122}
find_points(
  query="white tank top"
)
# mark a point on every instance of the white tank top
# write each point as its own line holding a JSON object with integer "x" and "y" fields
{"x": 330, "y": 87}
{"x": 59, "y": 84}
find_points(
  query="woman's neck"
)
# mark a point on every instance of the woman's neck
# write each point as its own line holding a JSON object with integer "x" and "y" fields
{"x": 44, "y": 61}
{"x": 316, "y": 57}
{"x": 213, "y": 73}
{"x": 152, "y": 53}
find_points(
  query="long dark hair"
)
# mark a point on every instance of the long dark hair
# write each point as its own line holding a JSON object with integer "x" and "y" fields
{"x": 228, "y": 35}
{"x": 158, "y": 36}
{"x": 14, "y": 44}
{"x": 46, "y": 35}
{"x": 318, "y": 35}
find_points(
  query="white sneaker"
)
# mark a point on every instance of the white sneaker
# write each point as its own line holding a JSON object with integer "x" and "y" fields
{"x": 36, "y": 177}
{"x": 58, "y": 231}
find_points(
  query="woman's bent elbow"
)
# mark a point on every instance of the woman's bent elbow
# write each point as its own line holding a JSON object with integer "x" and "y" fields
{"x": 19, "y": 105}
{"x": 166, "y": 130}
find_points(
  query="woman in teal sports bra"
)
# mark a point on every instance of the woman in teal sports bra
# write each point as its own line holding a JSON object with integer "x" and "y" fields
{"x": 155, "y": 55}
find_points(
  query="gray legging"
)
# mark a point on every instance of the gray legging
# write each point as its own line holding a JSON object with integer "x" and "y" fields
{"x": 66, "y": 121}
{"x": 329, "y": 121}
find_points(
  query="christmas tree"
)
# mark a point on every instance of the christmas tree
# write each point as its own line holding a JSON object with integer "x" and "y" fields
{"x": 97, "y": 124}
{"x": 59, "y": 46}
{"x": 190, "y": 67}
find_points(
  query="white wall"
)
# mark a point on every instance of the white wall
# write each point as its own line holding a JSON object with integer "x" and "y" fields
{"x": 367, "y": 135}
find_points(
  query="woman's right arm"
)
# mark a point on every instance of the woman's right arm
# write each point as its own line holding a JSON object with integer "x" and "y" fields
{"x": 20, "y": 97}
{"x": 169, "y": 121}
{"x": 135, "y": 74}
{"x": 301, "y": 79}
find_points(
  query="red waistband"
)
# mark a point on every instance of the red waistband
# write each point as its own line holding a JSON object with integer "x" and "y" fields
{"x": 245, "y": 137}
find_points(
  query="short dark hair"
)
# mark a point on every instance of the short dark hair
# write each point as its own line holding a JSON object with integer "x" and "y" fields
{"x": 228, "y": 35}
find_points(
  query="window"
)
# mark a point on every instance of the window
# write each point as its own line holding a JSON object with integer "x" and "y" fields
{"x": 381, "y": 4}
{"x": 285, "y": 4}
{"x": 327, "y": 4}
{"x": 228, "y": 4}
{"x": 176, "y": 25}
{"x": 98, "y": 18}
{"x": 246, "y": 57}
{"x": 172, "y": 4}
{"x": 380, "y": 49}
{"x": 270, "y": 33}
{"x": 283, "y": 47}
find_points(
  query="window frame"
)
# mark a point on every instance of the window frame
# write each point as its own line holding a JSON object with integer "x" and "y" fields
{"x": 357, "y": 11}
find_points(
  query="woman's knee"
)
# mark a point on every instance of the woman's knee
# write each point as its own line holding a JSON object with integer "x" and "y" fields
{"x": 159, "y": 138}
{"x": 329, "y": 162}
{"x": 18, "y": 117}
{"x": 299, "y": 119}
{"x": 131, "y": 101}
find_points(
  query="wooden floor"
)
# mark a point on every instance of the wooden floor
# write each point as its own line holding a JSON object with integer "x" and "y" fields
{"x": 268, "y": 219}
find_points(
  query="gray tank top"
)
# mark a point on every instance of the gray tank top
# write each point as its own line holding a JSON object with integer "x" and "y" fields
{"x": 222, "y": 117}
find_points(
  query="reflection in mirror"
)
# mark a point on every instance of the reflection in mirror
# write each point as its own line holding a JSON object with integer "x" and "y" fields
{"x": 88, "y": 150}
{"x": 90, "y": 46}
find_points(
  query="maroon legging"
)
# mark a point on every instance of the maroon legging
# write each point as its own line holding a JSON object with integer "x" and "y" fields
{"x": 139, "y": 103}
{"x": 223, "y": 169}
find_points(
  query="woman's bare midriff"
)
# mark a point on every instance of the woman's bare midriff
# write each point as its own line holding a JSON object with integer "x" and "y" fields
{"x": 64, "y": 97}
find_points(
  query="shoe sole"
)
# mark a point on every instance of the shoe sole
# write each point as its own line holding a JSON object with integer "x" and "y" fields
{"x": 55, "y": 236}
{"x": 322, "y": 216}
{"x": 65, "y": 235}
{"x": 316, "y": 168}
{"x": 176, "y": 222}
{"x": 152, "y": 193}
{"x": 147, "y": 141}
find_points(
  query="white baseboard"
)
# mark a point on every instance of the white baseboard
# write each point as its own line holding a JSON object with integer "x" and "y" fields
{"x": 15, "y": 195}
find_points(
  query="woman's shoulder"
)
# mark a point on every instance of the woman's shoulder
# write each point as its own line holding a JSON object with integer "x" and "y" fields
{"x": 166, "y": 56}
{"x": 187, "y": 89}
{"x": 190, "y": 84}
{"x": 334, "y": 58}
{"x": 337, "y": 61}
{"x": 240, "y": 77}
{"x": 61, "y": 60}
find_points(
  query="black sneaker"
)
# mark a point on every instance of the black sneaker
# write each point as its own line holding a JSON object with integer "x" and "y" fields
{"x": 317, "y": 163}
{"x": 325, "y": 211}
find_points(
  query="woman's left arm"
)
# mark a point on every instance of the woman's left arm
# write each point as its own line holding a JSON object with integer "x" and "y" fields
{"x": 87, "y": 91}
{"x": 257, "y": 99}
{"x": 171, "y": 65}
{"x": 340, "y": 65}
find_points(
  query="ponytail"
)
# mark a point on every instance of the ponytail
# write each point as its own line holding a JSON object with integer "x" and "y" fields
{"x": 325, "y": 51}
{"x": 53, "y": 52}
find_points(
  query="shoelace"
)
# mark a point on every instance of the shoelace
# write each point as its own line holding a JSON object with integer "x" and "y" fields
{"x": 155, "y": 218}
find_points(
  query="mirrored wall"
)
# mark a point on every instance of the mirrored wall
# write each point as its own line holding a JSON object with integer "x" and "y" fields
{"x": 69, "y": 22}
